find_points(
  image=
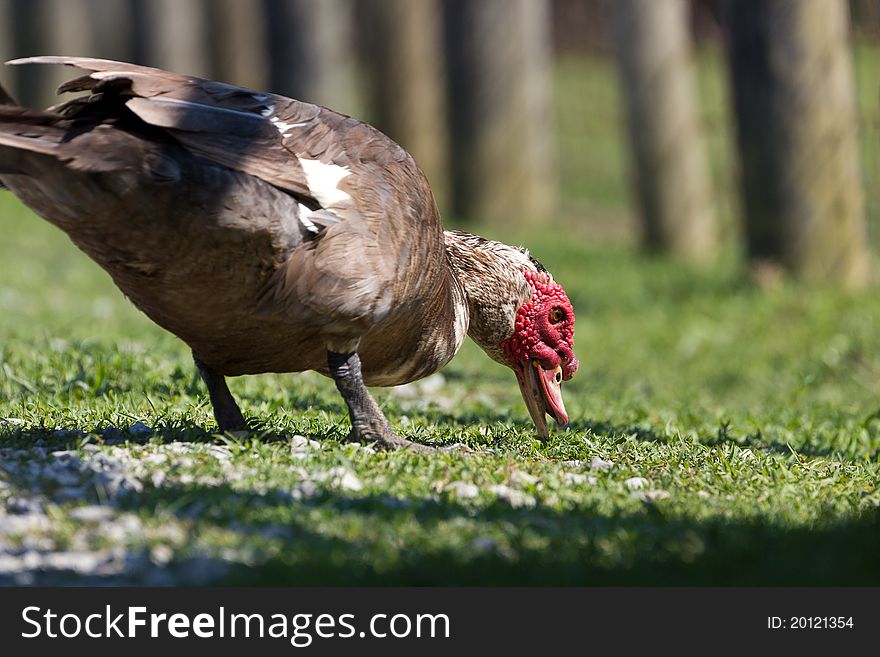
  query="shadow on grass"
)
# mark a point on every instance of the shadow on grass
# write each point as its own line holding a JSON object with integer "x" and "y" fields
{"x": 181, "y": 430}
{"x": 721, "y": 437}
{"x": 340, "y": 539}
{"x": 174, "y": 431}
{"x": 538, "y": 546}
{"x": 166, "y": 430}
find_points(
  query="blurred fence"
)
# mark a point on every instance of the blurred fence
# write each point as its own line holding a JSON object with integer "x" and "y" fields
{"x": 519, "y": 111}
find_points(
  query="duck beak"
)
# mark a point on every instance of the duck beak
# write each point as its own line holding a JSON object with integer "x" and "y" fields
{"x": 542, "y": 391}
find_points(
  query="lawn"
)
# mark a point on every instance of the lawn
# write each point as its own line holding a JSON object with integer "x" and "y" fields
{"x": 720, "y": 434}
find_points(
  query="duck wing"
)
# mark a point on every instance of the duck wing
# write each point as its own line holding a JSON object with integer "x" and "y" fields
{"x": 375, "y": 235}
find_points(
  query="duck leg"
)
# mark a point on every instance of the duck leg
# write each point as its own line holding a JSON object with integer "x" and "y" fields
{"x": 226, "y": 411}
{"x": 368, "y": 424}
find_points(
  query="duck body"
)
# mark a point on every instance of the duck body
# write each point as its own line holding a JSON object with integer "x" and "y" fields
{"x": 238, "y": 268}
{"x": 271, "y": 235}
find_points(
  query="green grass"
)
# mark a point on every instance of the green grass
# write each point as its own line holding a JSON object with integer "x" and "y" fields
{"x": 751, "y": 419}
{"x": 752, "y": 416}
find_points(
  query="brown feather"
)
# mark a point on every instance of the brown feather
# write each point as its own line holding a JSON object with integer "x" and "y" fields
{"x": 193, "y": 196}
{"x": 261, "y": 230}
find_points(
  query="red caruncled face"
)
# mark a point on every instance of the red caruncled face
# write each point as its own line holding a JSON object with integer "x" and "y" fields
{"x": 540, "y": 349}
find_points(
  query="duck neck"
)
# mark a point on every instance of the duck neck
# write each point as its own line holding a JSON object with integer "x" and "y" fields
{"x": 490, "y": 275}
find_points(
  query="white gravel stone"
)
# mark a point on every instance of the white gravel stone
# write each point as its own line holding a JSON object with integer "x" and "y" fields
{"x": 515, "y": 498}
{"x": 340, "y": 477}
{"x": 22, "y": 524}
{"x": 131, "y": 524}
{"x": 304, "y": 490}
{"x": 118, "y": 483}
{"x": 653, "y": 495}
{"x": 636, "y": 483}
{"x": 79, "y": 562}
{"x": 9, "y": 564}
{"x": 599, "y": 463}
{"x": 577, "y": 479}
{"x": 178, "y": 448}
{"x": 462, "y": 489}
{"x": 520, "y": 478}
{"x": 220, "y": 452}
{"x": 349, "y": 481}
{"x": 361, "y": 447}
{"x": 92, "y": 513}
{"x": 161, "y": 554}
{"x": 299, "y": 443}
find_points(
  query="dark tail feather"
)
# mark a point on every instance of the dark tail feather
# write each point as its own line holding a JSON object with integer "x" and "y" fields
{"x": 23, "y": 132}
{"x": 5, "y": 98}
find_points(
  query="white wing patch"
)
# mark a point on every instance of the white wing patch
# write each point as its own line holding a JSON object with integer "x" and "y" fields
{"x": 280, "y": 125}
{"x": 323, "y": 180}
{"x": 304, "y": 213}
{"x": 283, "y": 127}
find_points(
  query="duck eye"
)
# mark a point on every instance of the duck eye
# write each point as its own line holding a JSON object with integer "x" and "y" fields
{"x": 556, "y": 315}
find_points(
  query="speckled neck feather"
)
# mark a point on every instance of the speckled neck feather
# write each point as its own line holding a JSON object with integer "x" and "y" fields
{"x": 492, "y": 275}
